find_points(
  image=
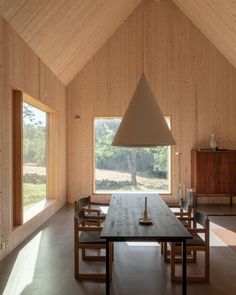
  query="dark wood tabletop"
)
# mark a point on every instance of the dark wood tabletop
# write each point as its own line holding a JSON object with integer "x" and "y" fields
{"x": 122, "y": 220}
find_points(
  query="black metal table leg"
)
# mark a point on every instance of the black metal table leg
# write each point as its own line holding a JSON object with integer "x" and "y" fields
{"x": 107, "y": 269}
{"x": 184, "y": 269}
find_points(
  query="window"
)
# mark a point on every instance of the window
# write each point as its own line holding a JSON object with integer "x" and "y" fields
{"x": 30, "y": 156}
{"x": 34, "y": 155}
{"x": 128, "y": 169}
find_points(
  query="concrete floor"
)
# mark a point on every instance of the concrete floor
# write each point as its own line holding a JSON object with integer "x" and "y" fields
{"x": 43, "y": 265}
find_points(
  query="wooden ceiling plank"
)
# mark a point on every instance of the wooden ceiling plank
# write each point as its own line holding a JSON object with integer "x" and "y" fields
{"x": 214, "y": 20}
{"x": 66, "y": 34}
{"x": 9, "y": 8}
{"x": 98, "y": 41}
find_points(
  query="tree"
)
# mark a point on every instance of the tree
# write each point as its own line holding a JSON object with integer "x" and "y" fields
{"x": 132, "y": 159}
{"x": 160, "y": 165}
{"x": 151, "y": 161}
{"x": 34, "y": 135}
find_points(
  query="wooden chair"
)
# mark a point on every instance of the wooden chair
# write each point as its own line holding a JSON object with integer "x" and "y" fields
{"x": 90, "y": 208}
{"x": 184, "y": 209}
{"x": 92, "y": 212}
{"x": 87, "y": 236}
{"x": 197, "y": 243}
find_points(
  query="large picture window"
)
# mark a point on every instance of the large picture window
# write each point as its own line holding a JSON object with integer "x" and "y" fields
{"x": 34, "y": 155}
{"x": 30, "y": 146}
{"x": 128, "y": 169}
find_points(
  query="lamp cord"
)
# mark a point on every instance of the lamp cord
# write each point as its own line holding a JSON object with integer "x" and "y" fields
{"x": 142, "y": 43}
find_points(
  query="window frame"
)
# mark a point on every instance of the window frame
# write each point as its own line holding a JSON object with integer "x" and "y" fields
{"x": 18, "y": 97}
{"x": 94, "y": 192}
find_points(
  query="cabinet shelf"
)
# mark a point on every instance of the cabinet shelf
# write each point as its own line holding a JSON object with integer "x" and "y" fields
{"x": 213, "y": 173}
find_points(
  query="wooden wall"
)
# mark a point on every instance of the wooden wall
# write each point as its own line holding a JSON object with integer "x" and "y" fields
{"x": 192, "y": 81}
{"x": 66, "y": 34}
{"x": 21, "y": 69}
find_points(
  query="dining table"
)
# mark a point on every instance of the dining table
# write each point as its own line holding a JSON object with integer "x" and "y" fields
{"x": 122, "y": 224}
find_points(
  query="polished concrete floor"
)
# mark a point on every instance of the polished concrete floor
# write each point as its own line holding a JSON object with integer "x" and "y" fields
{"x": 43, "y": 265}
{"x": 218, "y": 209}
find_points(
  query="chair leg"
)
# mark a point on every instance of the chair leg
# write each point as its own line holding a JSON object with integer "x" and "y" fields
{"x": 161, "y": 247}
{"x": 83, "y": 254}
{"x": 166, "y": 252}
{"x": 86, "y": 276}
{"x": 207, "y": 264}
{"x": 113, "y": 245}
{"x": 198, "y": 278}
{"x": 194, "y": 256}
{"x": 110, "y": 259}
{"x": 76, "y": 262}
{"x": 172, "y": 261}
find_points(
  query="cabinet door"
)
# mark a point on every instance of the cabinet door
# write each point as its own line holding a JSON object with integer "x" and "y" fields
{"x": 232, "y": 173}
{"x": 206, "y": 171}
{"x": 222, "y": 175}
{"x": 215, "y": 172}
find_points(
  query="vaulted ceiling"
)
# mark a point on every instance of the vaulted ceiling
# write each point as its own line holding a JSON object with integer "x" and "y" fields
{"x": 217, "y": 20}
{"x": 67, "y": 33}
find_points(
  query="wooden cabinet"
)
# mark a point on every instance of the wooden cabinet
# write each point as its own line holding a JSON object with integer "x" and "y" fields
{"x": 214, "y": 172}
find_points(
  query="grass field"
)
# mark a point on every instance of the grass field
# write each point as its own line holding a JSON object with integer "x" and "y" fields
{"x": 33, "y": 193}
{"x": 144, "y": 183}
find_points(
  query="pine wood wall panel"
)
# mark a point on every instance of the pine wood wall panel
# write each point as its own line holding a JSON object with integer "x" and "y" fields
{"x": 193, "y": 83}
{"x": 10, "y": 7}
{"x": 24, "y": 66}
{"x": 21, "y": 69}
{"x": 66, "y": 34}
{"x": 2, "y": 94}
{"x": 216, "y": 19}
{"x": 5, "y": 138}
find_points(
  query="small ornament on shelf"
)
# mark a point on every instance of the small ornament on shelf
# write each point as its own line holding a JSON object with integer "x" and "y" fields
{"x": 213, "y": 142}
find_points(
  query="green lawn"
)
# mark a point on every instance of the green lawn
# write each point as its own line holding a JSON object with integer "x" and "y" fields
{"x": 34, "y": 193}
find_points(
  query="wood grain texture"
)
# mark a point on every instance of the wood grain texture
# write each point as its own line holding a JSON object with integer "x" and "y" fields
{"x": 66, "y": 34}
{"x": 214, "y": 173}
{"x": 4, "y": 129}
{"x": 22, "y": 70}
{"x": 17, "y": 150}
{"x": 216, "y": 19}
{"x": 192, "y": 82}
{"x": 122, "y": 220}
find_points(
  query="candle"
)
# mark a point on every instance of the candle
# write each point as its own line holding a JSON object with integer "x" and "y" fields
{"x": 145, "y": 203}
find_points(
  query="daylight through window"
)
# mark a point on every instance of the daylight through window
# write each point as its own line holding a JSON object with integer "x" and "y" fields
{"x": 34, "y": 156}
{"x": 128, "y": 169}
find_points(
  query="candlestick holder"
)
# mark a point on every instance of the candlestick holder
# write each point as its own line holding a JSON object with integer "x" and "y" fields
{"x": 145, "y": 219}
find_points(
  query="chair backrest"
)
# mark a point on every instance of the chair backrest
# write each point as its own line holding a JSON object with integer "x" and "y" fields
{"x": 82, "y": 203}
{"x": 81, "y": 223}
{"x": 80, "y": 217}
{"x": 184, "y": 204}
{"x": 201, "y": 218}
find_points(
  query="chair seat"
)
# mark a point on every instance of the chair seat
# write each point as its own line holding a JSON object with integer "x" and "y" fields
{"x": 91, "y": 237}
{"x": 195, "y": 241}
{"x": 185, "y": 223}
{"x": 93, "y": 214}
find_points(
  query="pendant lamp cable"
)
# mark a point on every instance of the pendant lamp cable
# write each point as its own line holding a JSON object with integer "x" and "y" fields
{"x": 142, "y": 43}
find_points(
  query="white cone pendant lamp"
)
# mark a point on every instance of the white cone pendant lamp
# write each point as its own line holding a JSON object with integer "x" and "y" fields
{"x": 143, "y": 124}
